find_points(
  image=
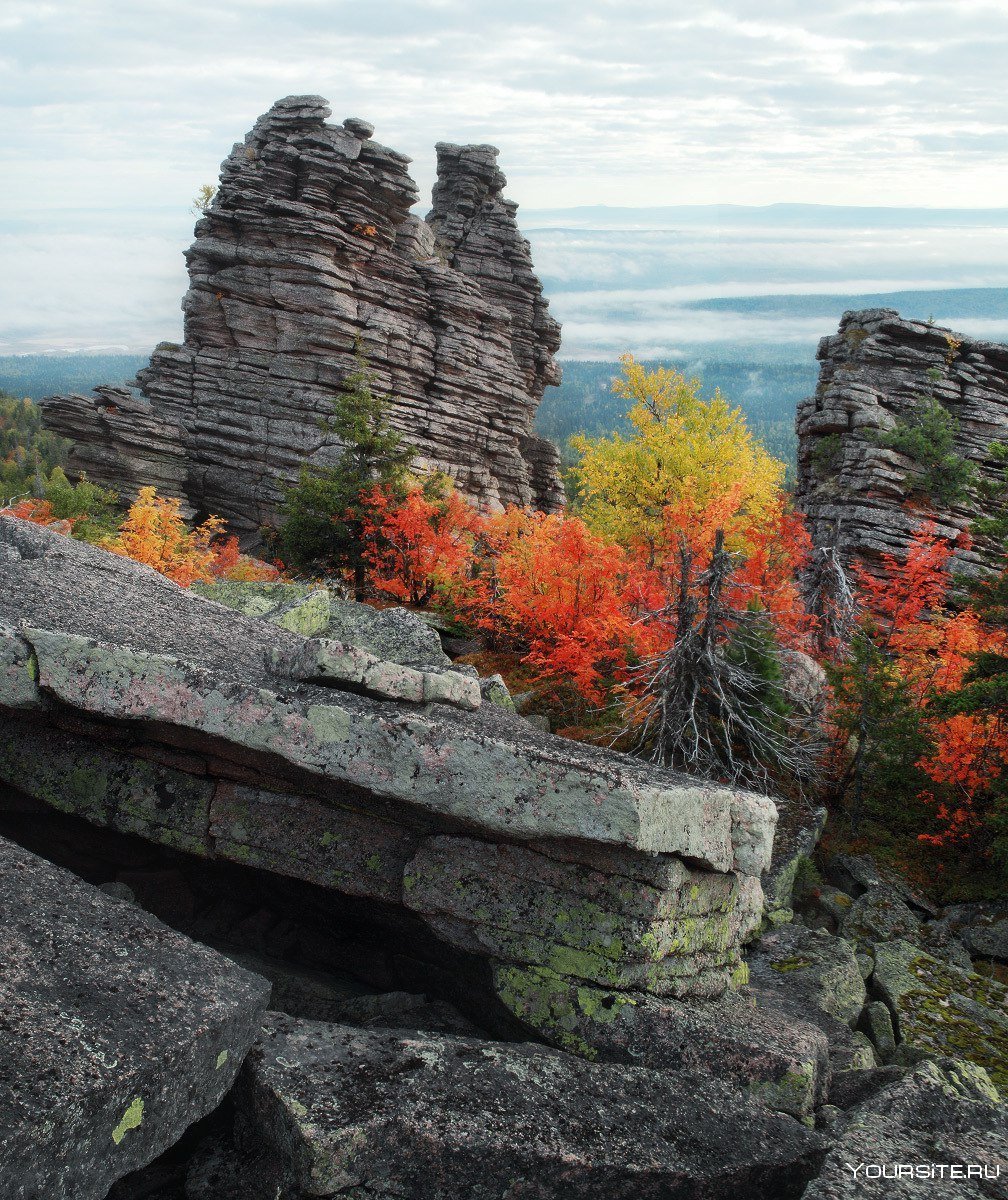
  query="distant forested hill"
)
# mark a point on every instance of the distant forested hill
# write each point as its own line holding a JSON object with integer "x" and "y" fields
{"x": 27, "y": 451}
{"x": 38, "y": 375}
{"x": 767, "y": 392}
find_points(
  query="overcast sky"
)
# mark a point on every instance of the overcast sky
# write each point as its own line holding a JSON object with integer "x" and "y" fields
{"x": 115, "y": 111}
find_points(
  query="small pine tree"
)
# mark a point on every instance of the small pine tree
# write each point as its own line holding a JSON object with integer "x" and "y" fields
{"x": 927, "y": 436}
{"x": 325, "y": 512}
{"x": 878, "y": 719}
{"x": 90, "y": 508}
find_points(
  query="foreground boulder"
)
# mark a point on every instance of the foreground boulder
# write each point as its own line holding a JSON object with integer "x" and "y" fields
{"x": 392, "y": 1113}
{"x": 938, "y": 1131}
{"x": 141, "y": 707}
{"x": 117, "y": 1033}
{"x": 309, "y": 249}
{"x": 943, "y": 1010}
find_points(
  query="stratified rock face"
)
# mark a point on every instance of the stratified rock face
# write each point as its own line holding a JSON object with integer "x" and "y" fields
{"x": 117, "y": 1033}
{"x": 875, "y": 372}
{"x": 309, "y": 245}
{"x": 476, "y": 233}
{"x": 577, "y": 880}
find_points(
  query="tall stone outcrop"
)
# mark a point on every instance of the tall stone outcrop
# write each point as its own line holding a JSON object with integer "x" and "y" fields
{"x": 308, "y": 247}
{"x": 879, "y": 371}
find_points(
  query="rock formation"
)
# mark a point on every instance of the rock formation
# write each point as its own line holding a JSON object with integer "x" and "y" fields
{"x": 96, "y": 1079}
{"x": 876, "y": 371}
{"x": 498, "y": 960}
{"x": 308, "y": 247}
{"x": 582, "y": 879}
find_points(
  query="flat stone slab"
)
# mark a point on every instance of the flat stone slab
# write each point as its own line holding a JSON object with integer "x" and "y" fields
{"x": 113, "y": 639}
{"x": 138, "y": 705}
{"x": 391, "y": 1113}
{"x": 116, "y": 1032}
{"x": 779, "y": 1059}
{"x": 347, "y": 665}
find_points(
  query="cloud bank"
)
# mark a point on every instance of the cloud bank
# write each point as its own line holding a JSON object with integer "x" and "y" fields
{"x": 112, "y": 113}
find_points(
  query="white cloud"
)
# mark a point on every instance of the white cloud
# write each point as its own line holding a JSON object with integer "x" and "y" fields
{"x": 110, "y": 105}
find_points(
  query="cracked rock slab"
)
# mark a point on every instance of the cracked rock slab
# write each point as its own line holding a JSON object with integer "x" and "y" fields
{"x": 117, "y": 1032}
{"x": 937, "y": 1115}
{"x": 381, "y": 1113}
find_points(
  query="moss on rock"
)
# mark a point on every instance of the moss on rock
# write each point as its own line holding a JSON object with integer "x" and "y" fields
{"x": 944, "y": 1010}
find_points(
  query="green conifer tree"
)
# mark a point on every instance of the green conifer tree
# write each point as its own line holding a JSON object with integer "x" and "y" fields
{"x": 323, "y": 513}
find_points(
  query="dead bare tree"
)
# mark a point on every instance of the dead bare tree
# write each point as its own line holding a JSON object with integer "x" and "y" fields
{"x": 829, "y": 597}
{"x": 713, "y": 703}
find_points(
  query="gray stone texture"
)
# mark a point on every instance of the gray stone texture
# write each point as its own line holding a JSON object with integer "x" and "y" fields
{"x": 117, "y": 1033}
{"x": 143, "y": 707}
{"x": 942, "y": 1114}
{"x": 309, "y": 246}
{"x": 374, "y": 1113}
{"x": 874, "y": 371}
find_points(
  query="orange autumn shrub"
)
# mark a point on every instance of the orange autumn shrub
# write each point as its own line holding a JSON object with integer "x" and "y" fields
{"x": 929, "y": 648}
{"x": 39, "y": 512}
{"x": 229, "y": 563}
{"x": 419, "y": 547}
{"x": 563, "y": 592}
{"x": 154, "y": 533}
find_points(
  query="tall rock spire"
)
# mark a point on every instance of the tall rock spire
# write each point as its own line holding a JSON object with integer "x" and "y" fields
{"x": 308, "y": 248}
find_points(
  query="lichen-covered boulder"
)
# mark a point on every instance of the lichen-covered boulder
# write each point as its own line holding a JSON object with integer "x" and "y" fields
{"x": 879, "y": 915}
{"x": 810, "y": 969}
{"x": 142, "y": 707}
{"x": 776, "y": 1057}
{"x": 654, "y": 925}
{"x": 349, "y": 1111}
{"x": 936, "y": 1131}
{"x": 349, "y": 666}
{"x": 798, "y": 832}
{"x": 117, "y": 1033}
{"x": 983, "y": 927}
{"x": 878, "y": 1024}
{"x": 859, "y": 873}
{"x": 294, "y": 606}
{"x": 943, "y": 1010}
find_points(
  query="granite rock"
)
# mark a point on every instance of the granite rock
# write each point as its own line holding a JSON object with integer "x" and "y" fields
{"x": 938, "y": 1118}
{"x": 117, "y": 1033}
{"x": 879, "y": 915}
{"x": 938, "y": 1009}
{"x": 147, "y": 709}
{"x": 813, "y": 969}
{"x": 373, "y": 1114}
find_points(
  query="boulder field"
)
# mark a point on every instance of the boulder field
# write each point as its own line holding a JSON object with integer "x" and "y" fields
{"x": 497, "y": 963}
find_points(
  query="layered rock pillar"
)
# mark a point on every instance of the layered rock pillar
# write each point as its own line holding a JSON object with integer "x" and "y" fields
{"x": 877, "y": 372}
{"x": 309, "y": 249}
